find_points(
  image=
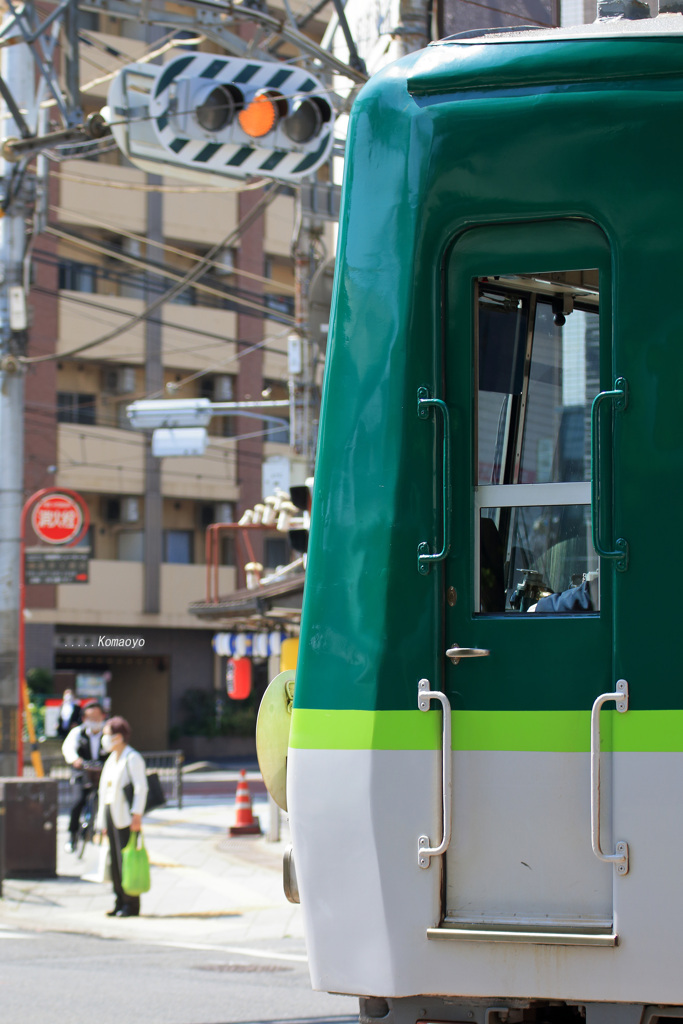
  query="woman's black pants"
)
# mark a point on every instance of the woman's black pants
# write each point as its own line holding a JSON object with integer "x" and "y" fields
{"x": 118, "y": 837}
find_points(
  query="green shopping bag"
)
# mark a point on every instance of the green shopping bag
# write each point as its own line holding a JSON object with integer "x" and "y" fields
{"x": 135, "y": 866}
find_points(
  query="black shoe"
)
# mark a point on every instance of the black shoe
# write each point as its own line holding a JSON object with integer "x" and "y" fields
{"x": 127, "y": 912}
{"x": 114, "y": 912}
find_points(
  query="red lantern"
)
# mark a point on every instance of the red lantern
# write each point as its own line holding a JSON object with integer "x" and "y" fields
{"x": 238, "y": 678}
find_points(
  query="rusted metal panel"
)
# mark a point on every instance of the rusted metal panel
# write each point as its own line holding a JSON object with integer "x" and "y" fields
{"x": 29, "y": 812}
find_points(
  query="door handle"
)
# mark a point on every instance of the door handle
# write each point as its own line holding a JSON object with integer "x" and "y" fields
{"x": 619, "y": 396}
{"x": 620, "y": 857}
{"x": 455, "y": 653}
{"x": 424, "y": 695}
{"x": 424, "y": 557}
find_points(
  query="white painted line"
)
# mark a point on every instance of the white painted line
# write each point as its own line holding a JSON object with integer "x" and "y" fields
{"x": 13, "y": 935}
{"x": 239, "y": 950}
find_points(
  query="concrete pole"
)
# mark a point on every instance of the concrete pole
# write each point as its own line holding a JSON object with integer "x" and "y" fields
{"x": 414, "y": 30}
{"x": 154, "y": 383}
{"x": 17, "y": 69}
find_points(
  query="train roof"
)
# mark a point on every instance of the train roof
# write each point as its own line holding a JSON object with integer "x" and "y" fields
{"x": 615, "y": 49}
{"x": 610, "y": 28}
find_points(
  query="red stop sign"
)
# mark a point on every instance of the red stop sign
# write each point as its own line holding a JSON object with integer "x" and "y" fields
{"x": 57, "y": 519}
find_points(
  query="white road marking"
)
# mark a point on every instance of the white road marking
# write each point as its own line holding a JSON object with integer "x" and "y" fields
{"x": 240, "y": 950}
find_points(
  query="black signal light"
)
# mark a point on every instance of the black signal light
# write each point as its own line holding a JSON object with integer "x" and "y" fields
{"x": 306, "y": 119}
{"x": 301, "y": 496}
{"x": 215, "y": 110}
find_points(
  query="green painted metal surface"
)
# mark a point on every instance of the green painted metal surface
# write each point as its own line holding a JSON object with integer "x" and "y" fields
{"x": 544, "y": 731}
{"x": 444, "y": 140}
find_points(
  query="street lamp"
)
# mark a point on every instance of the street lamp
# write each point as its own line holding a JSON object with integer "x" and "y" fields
{"x": 151, "y": 414}
{"x": 179, "y": 424}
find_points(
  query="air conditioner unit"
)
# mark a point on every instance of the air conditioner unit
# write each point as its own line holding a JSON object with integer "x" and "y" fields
{"x": 223, "y": 388}
{"x": 224, "y": 262}
{"x": 225, "y": 512}
{"x": 130, "y": 510}
{"x": 119, "y": 380}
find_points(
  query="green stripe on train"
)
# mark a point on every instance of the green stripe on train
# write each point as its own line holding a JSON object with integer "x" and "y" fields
{"x": 565, "y": 731}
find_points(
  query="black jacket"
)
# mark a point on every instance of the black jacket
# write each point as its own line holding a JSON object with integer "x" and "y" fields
{"x": 576, "y": 599}
{"x": 75, "y": 719}
{"x": 84, "y": 751}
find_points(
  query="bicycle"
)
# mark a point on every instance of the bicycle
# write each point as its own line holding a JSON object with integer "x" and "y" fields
{"x": 88, "y": 816}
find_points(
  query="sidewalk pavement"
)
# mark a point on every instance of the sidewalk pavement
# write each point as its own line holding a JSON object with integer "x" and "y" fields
{"x": 207, "y": 888}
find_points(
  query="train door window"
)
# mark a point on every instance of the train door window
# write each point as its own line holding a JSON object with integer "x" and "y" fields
{"x": 537, "y": 367}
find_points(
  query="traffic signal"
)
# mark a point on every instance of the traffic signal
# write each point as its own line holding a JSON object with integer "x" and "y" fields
{"x": 302, "y": 497}
{"x": 225, "y": 116}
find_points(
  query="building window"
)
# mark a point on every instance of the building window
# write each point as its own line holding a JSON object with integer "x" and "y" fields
{"x": 77, "y": 277}
{"x": 220, "y": 387}
{"x": 187, "y": 297}
{"x": 75, "y": 407}
{"x": 280, "y": 303}
{"x": 228, "y": 551}
{"x": 228, "y": 426}
{"x": 87, "y": 541}
{"x": 178, "y": 545}
{"x": 277, "y": 432}
{"x": 130, "y": 545}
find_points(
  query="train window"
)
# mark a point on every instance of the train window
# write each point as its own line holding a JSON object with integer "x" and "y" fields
{"x": 537, "y": 348}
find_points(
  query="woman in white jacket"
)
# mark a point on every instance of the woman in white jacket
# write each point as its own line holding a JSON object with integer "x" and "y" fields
{"x": 116, "y": 816}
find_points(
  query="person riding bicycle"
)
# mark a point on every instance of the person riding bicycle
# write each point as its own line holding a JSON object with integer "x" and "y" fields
{"x": 83, "y": 747}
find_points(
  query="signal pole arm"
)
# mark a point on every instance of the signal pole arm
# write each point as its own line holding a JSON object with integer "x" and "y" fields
{"x": 14, "y": 149}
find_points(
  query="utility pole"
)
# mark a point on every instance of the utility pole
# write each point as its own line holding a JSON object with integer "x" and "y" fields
{"x": 17, "y": 71}
{"x": 154, "y": 384}
{"x": 302, "y": 353}
{"x": 28, "y": 77}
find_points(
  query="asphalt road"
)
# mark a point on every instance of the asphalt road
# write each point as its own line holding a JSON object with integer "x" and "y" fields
{"x": 60, "y": 978}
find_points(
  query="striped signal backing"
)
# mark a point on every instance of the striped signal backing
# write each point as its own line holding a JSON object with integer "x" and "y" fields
{"x": 230, "y": 151}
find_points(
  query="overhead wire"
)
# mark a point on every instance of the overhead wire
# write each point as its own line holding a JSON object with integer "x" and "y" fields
{"x": 194, "y": 331}
{"x": 87, "y": 148}
{"x": 220, "y": 457}
{"x": 211, "y": 367}
{"x": 132, "y": 439}
{"x": 159, "y": 270}
{"x": 192, "y": 275}
{"x": 202, "y": 267}
{"x": 164, "y": 246}
{"x": 251, "y": 186}
{"x": 228, "y": 458}
{"x": 232, "y": 106}
{"x": 511, "y": 14}
{"x": 143, "y": 59}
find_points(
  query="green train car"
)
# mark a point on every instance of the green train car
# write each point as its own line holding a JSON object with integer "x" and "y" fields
{"x": 488, "y": 566}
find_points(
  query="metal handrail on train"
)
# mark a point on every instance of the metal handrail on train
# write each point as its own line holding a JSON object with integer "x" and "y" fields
{"x": 424, "y": 695}
{"x": 620, "y": 857}
{"x": 426, "y": 558}
{"x": 619, "y": 398}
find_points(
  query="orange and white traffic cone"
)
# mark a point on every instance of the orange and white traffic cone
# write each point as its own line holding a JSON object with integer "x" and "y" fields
{"x": 245, "y": 822}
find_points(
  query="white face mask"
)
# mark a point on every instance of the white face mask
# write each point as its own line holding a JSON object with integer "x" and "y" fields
{"x": 95, "y": 726}
{"x": 106, "y": 743}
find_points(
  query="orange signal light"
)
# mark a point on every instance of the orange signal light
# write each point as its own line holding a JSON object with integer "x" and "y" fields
{"x": 259, "y": 117}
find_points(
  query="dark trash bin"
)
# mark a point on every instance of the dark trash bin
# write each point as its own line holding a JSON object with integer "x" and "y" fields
{"x": 28, "y": 828}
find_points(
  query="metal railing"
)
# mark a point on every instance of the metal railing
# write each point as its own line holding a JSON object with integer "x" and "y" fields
{"x": 168, "y": 764}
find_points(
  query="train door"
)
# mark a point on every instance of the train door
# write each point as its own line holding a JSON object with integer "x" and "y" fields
{"x": 527, "y": 343}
